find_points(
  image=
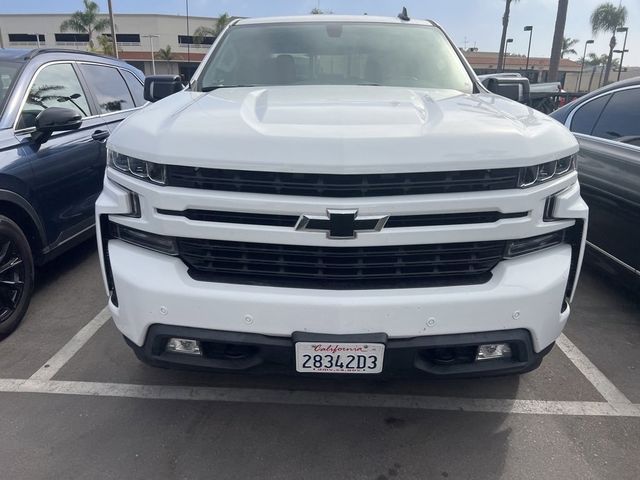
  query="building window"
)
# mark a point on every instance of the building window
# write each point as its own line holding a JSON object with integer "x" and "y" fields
{"x": 189, "y": 40}
{"x": 71, "y": 38}
{"x": 125, "y": 38}
{"x": 26, "y": 38}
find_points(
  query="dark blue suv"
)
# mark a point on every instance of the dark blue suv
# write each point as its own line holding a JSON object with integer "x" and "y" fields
{"x": 57, "y": 108}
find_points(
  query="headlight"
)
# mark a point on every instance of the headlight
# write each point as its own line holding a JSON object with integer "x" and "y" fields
{"x": 537, "y": 174}
{"x": 149, "y": 171}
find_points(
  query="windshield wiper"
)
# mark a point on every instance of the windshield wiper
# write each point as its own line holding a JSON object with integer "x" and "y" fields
{"x": 210, "y": 88}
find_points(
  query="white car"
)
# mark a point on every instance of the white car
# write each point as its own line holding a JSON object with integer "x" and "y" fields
{"x": 340, "y": 195}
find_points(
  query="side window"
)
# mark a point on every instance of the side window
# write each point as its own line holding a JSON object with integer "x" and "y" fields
{"x": 109, "y": 88}
{"x": 586, "y": 116}
{"x": 135, "y": 87}
{"x": 621, "y": 116}
{"x": 55, "y": 86}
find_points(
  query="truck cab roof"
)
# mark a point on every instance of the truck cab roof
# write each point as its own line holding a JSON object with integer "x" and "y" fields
{"x": 333, "y": 18}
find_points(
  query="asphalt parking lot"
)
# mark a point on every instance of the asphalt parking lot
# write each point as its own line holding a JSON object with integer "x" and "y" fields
{"x": 75, "y": 403}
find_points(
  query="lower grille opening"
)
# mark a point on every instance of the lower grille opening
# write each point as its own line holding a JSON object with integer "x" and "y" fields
{"x": 228, "y": 351}
{"x": 450, "y": 355}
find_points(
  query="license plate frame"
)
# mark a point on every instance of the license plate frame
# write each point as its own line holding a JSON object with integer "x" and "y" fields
{"x": 359, "y": 358}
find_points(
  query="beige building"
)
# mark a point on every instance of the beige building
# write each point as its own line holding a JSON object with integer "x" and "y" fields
{"x": 133, "y": 33}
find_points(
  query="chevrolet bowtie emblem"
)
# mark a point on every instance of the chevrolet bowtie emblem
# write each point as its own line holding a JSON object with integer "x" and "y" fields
{"x": 342, "y": 224}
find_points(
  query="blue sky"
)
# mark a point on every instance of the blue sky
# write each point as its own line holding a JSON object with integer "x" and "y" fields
{"x": 477, "y": 21}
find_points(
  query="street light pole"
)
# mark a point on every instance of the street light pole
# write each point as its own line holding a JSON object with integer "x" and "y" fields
{"x": 153, "y": 60}
{"x": 506, "y": 46}
{"x": 624, "y": 46}
{"x": 584, "y": 55}
{"x": 113, "y": 31}
{"x": 528, "y": 28}
{"x": 186, "y": 2}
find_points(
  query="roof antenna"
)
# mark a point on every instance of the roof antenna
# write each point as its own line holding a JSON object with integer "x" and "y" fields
{"x": 404, "y": 16}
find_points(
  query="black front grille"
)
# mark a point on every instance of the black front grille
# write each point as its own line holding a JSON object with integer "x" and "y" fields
{"x": 333, "y": 185}
{"x": 340, "y": 267}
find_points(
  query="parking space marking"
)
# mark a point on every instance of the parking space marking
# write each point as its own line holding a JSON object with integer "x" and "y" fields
{"x": 55, "y": 363}
{"x": 601, "y": 383}
{"x": 311, "y": 398}
{"x": 616, "y": 404}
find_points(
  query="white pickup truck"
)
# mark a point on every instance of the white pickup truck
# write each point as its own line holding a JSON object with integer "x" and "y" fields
{"x": 339, "y": 195}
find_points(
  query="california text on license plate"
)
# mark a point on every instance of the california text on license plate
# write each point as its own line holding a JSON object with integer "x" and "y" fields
{"x": 318, "y": 357}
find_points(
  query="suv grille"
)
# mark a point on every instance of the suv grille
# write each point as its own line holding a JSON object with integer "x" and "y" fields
{"x": 340, "y": 267}
{"x": 332, "y": 185}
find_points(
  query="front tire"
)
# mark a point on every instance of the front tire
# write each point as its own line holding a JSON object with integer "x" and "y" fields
{"x": 16, "y": 275}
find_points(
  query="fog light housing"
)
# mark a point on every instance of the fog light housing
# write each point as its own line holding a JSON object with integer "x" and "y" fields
{"x": 491, "y": 351}
{"x": 184, "y": 345}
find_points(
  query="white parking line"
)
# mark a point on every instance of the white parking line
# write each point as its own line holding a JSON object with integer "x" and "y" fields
{"x": 55, "y": 363}
{"x": 616, "y": 405}
{"x": 601, "y": 383}
{"x": 310, "y": 398}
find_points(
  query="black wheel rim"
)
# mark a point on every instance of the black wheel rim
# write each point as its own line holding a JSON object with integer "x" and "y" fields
{"x": 12, "y": 277}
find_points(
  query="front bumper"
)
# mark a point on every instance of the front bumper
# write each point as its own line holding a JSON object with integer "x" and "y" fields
{"x": 523, "y": 293}
{"x": 263, "y": 354}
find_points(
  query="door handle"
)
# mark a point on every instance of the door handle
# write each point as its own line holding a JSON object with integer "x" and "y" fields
{"x": 100, "y": 135}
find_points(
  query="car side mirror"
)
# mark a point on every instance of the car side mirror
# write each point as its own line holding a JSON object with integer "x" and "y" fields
{"x": 514, "y": 88}
{"x": 157, "y": 87}
{"x": 55, "y": 119}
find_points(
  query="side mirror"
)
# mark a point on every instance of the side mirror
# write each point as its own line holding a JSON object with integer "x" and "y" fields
{"x": 55, "y": 119}
{"x": 514, "y": 88}
{"x": 157, "y": 87}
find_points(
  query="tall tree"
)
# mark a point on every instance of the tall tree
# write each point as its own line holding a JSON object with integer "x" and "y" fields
{"x": 217, "y": 28}
{"x": 596, "y": 60}
{"x": 567, "y": 46}
{"x": 503, "y": 38}
{"x": 106, "y": 45}
{"x": 165, "y": 54}
{"x": 86, "y": 22}
{"x": 604, "y": 19}
{"x": 558, "y": 38}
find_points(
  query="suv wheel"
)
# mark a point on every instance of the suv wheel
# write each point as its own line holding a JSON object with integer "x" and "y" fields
{"x": 16, "y": 275}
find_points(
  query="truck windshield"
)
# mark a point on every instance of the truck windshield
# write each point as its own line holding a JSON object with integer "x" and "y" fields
{"x": 335, "y": 53}
{"x": 8, "y": 73}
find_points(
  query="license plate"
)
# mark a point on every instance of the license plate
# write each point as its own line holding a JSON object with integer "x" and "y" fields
{"x": 318, "y": 357}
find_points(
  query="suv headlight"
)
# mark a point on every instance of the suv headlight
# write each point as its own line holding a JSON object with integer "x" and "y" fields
{"x": 149, "y": 171}
{"x": 537, "y": 174}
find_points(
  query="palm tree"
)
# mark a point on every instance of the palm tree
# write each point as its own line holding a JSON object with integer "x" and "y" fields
{"x": 567, "y": 46}
{"x": 202, "y": 31}
{"x": 86, "y": 22}
{"x": 167, "y": 55}
{"x": 503, "y": 39}
{"x": 106, "y": 45}
{"x": 604, "y": 19}
{"x": 558, "y": 38}
{"x": 596, "y": 61}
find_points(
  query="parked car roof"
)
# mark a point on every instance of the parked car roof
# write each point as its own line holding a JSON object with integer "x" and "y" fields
{"x": 14, "y": 54}
{"x": 562, "y": 113}
{"x": 24, "y": 54}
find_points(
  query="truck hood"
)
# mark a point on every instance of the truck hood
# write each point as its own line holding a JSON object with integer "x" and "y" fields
{"x": 341, "y": 129}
